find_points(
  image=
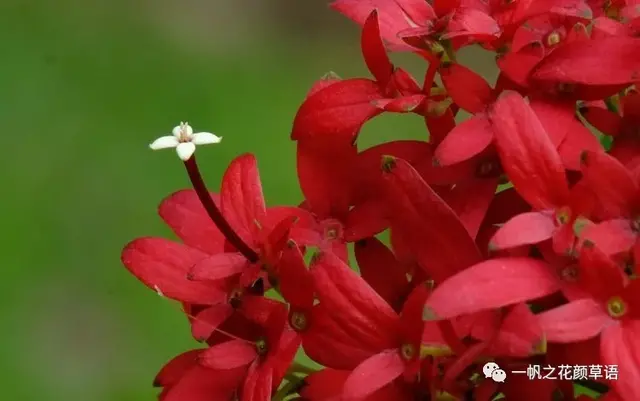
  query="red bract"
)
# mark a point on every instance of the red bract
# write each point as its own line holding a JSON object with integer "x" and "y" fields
{"x": 509, "y": 236}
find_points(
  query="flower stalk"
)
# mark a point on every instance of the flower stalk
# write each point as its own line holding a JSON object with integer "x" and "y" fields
{"x": 214, "y": 212}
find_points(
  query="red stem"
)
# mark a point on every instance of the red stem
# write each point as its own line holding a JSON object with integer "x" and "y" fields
{"x": 214, "y": 213}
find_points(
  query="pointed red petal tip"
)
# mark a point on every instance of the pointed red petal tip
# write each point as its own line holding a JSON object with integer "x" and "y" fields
{"x": 173, "y": 370}
{"x": 527, "y": 153}
{"x": 162, "y": 265}
{"x": 467, "y": 89}
{"x": 523, "y": 229}
{"x": 338, "y": 111}
{"x": 466, "y": 140}
{"x": 373, "y": 50}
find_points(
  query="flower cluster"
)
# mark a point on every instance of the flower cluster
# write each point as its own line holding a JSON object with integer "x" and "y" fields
{"x": 511, "y": 237}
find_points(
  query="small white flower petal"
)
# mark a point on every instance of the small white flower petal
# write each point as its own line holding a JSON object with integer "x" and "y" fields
{"x": 205, "y": 138}
{"x": 177, "y": 131}
{"x": 164, "y": 142}
{"x": 185, "y": 150}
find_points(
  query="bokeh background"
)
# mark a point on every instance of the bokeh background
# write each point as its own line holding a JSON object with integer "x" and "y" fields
{"x": 85, "y": 86}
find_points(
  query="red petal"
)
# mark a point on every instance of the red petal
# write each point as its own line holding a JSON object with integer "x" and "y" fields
{"x": 188, "y": 219}
{"x": 173, "y": 370}
{"x": 467, "y": 89}
{"x": 405, "y": 104}
{"x": 491, "y": 284}
{"x": 627, "y": 150}
{"x": 162, "y": 265}
{"x": 523, "y": 229}
{"x": 218, "y": 267}
{"x": 324, "y": 385}
{"x": 413, "y": 327}
{"x": 373, "y": 374}
{"x": 443, "y": 7}
{"x": 438, "y": 238}
{"x": 466, "y": 140}
{"x": 207, "y": 321}
{"x": 603, "y": 27}
{"x": 611, "y": 182}
{"x": 338, "y": 111}
{"x": 527, "y": 153}
{"x": 374, "y": 52}
{"x": 469, "y": 22}
{"x": 296, "y": 283}
{"x": 582, "y": 62}
{"x": 364, "y": 220}
{"x": 603, "y": 120}
{"x": 520, "y": 334}
{"x": 358, "y": 308}
{"x": 613, "y": 237}
{"x": 258, "y": 385}
{"x": 283, "y": 355}
{"x": 202, "y": 384}
{"x": 327, "y": 80}
{"x": 557, "y": 118}
{"x": 517, "y": 66}
{"x": 405, "y": 82}
{"x": 392, "y": 18}
{"x": 274, "y": 240}
{"x": 321, "y": 173}
{"x": 241, "y": 198}
{"x": 228, "y": 355}
{"x": 619, "y": 347}
{"x": 439, "y": 126}
{"x": 576, "y": 321}
{"x": 559, "y": 8}
{"x": 369, "y": 176}
{"x": 599, "y": 274}
{"x": 328, "y": 343}
{"x": 470, "y": 201}
{"x": 380, "y": 269}
{"x": 305, "y": 229}
{"x": 578, "y": 140}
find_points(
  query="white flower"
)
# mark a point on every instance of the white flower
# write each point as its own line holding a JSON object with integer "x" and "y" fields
{"x": 184, "y": 140}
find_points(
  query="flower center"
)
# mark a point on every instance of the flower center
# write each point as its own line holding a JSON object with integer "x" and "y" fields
{"x": 235, "y": 297}
{"x": 261, "y": 346}
{"x": 407, "y": 351}
{"x": 553, "y": 39}
{"x": 332, "y": 229}
{"x": 298, "y": 321}
{"x": 570, "y": 273}
{"x": 629, "y": 269}
{"x": 563, "y": 216}
{"x": 616, "y": 307}
{"x": 184, "y": 132}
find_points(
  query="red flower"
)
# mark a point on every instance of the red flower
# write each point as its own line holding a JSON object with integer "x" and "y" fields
{"x": 385, "y": 345}
{"x": 205, "y": 270}
{"x": 265, "y": 345}
{"x": 183, "y": 378}
{"x": 536, "y": 171}
{"x": 610, "y": 309}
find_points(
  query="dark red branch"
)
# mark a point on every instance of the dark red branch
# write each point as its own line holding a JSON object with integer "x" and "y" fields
{"x": 214, "y": 213}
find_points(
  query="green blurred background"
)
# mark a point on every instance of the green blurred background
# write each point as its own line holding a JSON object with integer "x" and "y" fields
{"x": 86, "y": 86}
